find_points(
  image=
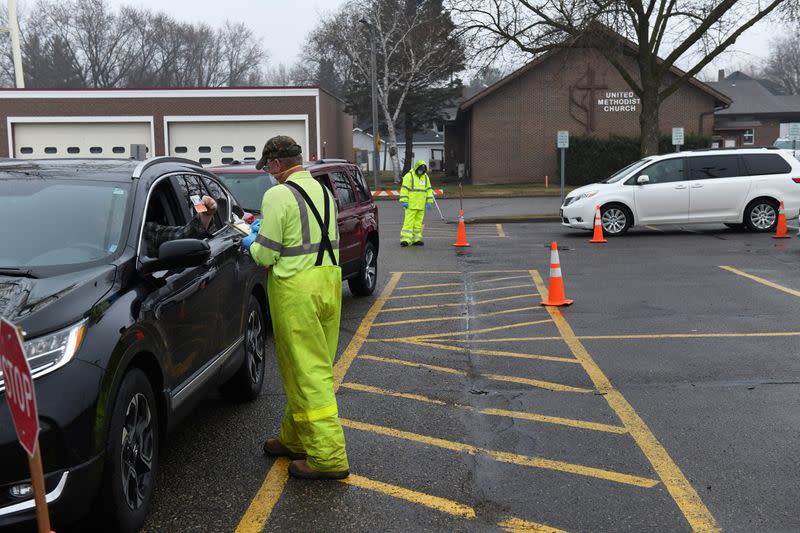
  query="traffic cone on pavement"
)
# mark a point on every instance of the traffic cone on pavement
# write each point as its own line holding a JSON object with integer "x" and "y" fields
{"x": 598, "y": 227}
{"x": 555, "y": 295}
{"x": 780, "y": 232}
{"x": 461, "y": 236}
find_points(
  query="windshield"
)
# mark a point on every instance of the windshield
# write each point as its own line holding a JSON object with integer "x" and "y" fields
{"x": 48, "y": 222}
{"x": 618, "y": 175}
{"x": 248, "y": 189}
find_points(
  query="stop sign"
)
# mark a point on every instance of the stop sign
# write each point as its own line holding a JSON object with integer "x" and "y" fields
{"x": 19, "y": 386}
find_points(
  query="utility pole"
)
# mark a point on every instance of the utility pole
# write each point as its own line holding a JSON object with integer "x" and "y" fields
{"x": 13, "y": 29}
{"x": 375, "y": 146}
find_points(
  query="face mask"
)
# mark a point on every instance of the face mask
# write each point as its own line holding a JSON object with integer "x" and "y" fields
{"x": 422, "y": 170}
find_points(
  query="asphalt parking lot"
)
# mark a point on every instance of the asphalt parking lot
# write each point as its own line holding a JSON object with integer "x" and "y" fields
{"x": 665, "y": 399}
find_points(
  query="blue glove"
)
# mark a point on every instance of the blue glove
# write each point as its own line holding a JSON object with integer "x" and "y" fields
{"x": 249, "y": 240}
{"x": 255, "y": 227}
{"x": 428, "y": 206}
{"x": 404, "y": 204}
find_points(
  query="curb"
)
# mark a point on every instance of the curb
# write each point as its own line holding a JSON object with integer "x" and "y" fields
{"x": 514, "y": 219}
{"x": 477, "y": 196}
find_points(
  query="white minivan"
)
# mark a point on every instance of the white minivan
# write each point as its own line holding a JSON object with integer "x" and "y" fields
{"x": 736, "y": 187}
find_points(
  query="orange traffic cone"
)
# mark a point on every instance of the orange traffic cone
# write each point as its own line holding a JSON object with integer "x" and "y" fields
{"x": 598, "y": 227}
{"x": 461, "y": 236}
{"x": 780, "y": 232}
{"x": 555, "y": 295}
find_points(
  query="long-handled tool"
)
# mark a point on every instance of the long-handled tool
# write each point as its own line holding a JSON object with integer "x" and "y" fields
{"x": 437, "y": 208}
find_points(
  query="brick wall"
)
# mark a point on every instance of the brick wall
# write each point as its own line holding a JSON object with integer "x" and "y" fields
{"x": 337, "y": 128}
{"x": 513, "y": 130}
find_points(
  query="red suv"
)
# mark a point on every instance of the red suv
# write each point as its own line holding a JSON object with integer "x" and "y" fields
{"x": 358, "y": 214}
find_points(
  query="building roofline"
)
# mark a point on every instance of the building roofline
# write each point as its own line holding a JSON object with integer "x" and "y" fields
{"x": 161, "y": 92}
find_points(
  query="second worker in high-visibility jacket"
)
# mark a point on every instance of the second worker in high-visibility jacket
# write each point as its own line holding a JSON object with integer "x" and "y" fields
{"x": 416, "y": 195}
{"x": 298, "y": 238}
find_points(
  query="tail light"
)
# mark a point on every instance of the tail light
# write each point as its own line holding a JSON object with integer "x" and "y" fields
{"x": 796, "y": 180}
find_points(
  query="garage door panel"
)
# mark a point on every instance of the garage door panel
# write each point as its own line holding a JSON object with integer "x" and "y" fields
{"x": 79, "y": 139}
{"x": 216, "y": 143}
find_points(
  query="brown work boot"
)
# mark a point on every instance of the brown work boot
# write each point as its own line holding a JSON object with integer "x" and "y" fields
{"x": 275, "y": 448}
{"x": 300, "y": 469}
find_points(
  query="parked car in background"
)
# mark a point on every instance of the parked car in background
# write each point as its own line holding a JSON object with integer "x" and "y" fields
{"x": 121, "y": 344}
{"x": 357, "y": 220}
{"x": 737, "y": 187}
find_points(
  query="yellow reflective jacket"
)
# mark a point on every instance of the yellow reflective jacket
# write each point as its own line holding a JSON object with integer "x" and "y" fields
{"x": 290, "y": 238}
{"x": 416, "y": 190}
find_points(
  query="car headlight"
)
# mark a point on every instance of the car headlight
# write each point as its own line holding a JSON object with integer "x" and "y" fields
{"x": 571, "y": 199}
{"x": 587, "y": 195}
{"x": 52, "y": 351}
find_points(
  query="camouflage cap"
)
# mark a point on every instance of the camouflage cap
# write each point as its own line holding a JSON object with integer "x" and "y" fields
{"x": 278, "y": 146}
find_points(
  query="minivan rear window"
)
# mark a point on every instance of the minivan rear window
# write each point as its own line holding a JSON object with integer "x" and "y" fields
{"x": 763, "y": 164}
{"x": 714, "y": 166}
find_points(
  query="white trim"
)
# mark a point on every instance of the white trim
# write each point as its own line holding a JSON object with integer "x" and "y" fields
{"x": 319, "y": 142}
{"x": 50, "y": 497}
{"x": 227, "y": 118}
{"x": 105, "y": 119}
{"x": 159, "y": 93}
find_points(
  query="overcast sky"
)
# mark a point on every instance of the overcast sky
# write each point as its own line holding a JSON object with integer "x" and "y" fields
{"x": 282, "y": 24}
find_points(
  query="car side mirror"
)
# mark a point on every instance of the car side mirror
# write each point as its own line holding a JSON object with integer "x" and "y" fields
{"x": 179, "y": 253}
{"x": 641, "y": 180}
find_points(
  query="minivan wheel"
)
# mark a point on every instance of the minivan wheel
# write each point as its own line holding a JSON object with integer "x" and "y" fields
{"x": 761, "y": 215}
{"x": 132, "y": 460}
{"x": 246, "y": 384}
{"x": 364, "y": 284}
{"x": 616, "y": 219}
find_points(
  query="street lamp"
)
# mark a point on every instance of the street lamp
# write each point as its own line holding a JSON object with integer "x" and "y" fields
{"x": 376, "y": 150}
{"x": 13, "y": 29}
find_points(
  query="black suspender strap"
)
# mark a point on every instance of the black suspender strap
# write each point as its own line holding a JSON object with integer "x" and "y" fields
{"x": 325, "y": 243}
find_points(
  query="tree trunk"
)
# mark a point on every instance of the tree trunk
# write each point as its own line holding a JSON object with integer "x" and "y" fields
{"x": 409, "y": 134}
{"x": 648, "y": 122}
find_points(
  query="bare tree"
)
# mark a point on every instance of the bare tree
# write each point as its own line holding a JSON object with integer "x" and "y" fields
{"x": 633, "y": 35}
{"x": 783, "y": 64}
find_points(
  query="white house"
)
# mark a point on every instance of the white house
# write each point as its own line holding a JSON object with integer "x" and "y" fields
{"x": 428, "y": 146}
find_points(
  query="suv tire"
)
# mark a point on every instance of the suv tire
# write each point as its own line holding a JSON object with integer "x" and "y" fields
{"x": 761, "y": 215}
{"x": 246, "y": 384}
{"x": 616, "y": 219}
{"x": 132, "y": 462}
{"x": 364, "y": 284}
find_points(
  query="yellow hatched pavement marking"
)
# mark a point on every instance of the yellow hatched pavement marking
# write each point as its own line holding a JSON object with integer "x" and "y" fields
{"x": 460, "y": 304}
{"x": 442, "y": 504}
{"x": 504, "y": 457}
{"x": 654, "y": 336}
{"x": 500, "y": 232}
{"x": 535, "y": 417}
{"x": 458, "y": 317}
{"x": 483, "y": 330}
{"x": 763, "y": 281}
{"x": 458, "y": 293}
{"x": 260, "y": 509}
{"x": 495, "y": 353}
{"x": 427, "y": 272}
{"x": 549, "y": 385}
{"x": 433, "y": 285}
{"x": 682, "y": 492}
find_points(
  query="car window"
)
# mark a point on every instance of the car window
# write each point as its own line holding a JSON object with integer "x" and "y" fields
{"x": 248, "y": 189}
{"x": 362, "y": 190}
{"x": 188, "y": 186}
{"x": 714, "y": 166}
{"x": 345, "y": 196}
{"x": 218, "y": 193}
{"x": 763, "y": 164}
{"x": 665, "y": 171}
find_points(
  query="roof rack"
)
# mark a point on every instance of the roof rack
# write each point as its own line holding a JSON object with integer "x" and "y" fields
{"x": 147, "y": 163}
{"x": 323, "y": 161}
{"x": 733, "y": 148}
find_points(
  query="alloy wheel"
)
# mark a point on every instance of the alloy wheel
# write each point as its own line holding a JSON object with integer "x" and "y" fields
{"x": 371, "y": 269}
{"x": 614, "y": 220}
{"x": 763, "y": 216}
{"x": 138, "y": 443}
{"x": 255, "y": 345}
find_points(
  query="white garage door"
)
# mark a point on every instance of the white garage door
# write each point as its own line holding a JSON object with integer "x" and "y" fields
{"x": 79, "y": 139}
{"x": 215, "y": 143}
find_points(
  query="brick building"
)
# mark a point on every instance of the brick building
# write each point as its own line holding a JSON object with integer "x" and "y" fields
{"x": 507, "y": 132}
{"x": 212, "y": 126}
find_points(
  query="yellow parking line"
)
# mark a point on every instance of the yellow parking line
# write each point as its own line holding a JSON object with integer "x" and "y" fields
{"x": 458, "y": 293}
{"x": 549, "y": 385}
{"x": 461, "y": 284}
{"x": 260, "y": 509}
{"x": 634, "y": 337}
{"x": 418, "y": 307}
{"x": 504, "y": 298}
{"x": 505, "y": 457}
{"x": 433, "y": 502}
{"x": 763, "y": 281}
{"x": 492, "y": 280}
{"x": 535, "y": 417}
{"x": 442, "y": 504}
{"x": 482, "y": 330}
{"x": 458, "y": 317}
{"x": 682, "y": 492}
{"x": 496, "y": 353}
{"x": 457, "y": 271}
{"x": 500, "y": 232}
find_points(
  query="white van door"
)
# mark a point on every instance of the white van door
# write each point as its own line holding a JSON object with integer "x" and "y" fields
{"x": 665, "y": 198}
{"x": 718, "y": 187}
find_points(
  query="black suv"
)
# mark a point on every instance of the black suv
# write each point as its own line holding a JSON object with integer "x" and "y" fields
{"x": 121, "y": 344}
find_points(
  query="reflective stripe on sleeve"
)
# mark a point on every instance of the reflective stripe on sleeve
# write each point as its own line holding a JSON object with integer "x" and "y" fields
{"x": 275, "y": 246}
{"x": 294, "y": 251}
{"x": 316, "y": 414}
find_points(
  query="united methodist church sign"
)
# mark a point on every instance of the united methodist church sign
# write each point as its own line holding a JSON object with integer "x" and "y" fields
{"x": 616, "y": 102}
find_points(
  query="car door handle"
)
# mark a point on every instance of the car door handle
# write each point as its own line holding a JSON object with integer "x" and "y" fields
{"x": 697, "y": 186}
{"x": 680, "y": 186}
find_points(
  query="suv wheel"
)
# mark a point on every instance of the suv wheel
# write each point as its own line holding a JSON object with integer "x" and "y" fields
{"x": 761, "y": 215}
{"x": 367, "y": 279}
{"x": 246, "y": 384}
{"x": 132, "y": 461}
{"x": 616, "y": 219}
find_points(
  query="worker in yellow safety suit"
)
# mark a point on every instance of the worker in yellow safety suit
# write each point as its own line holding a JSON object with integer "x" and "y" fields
{"x": 298, "y": 239}
{"x": 416, "y": 195}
